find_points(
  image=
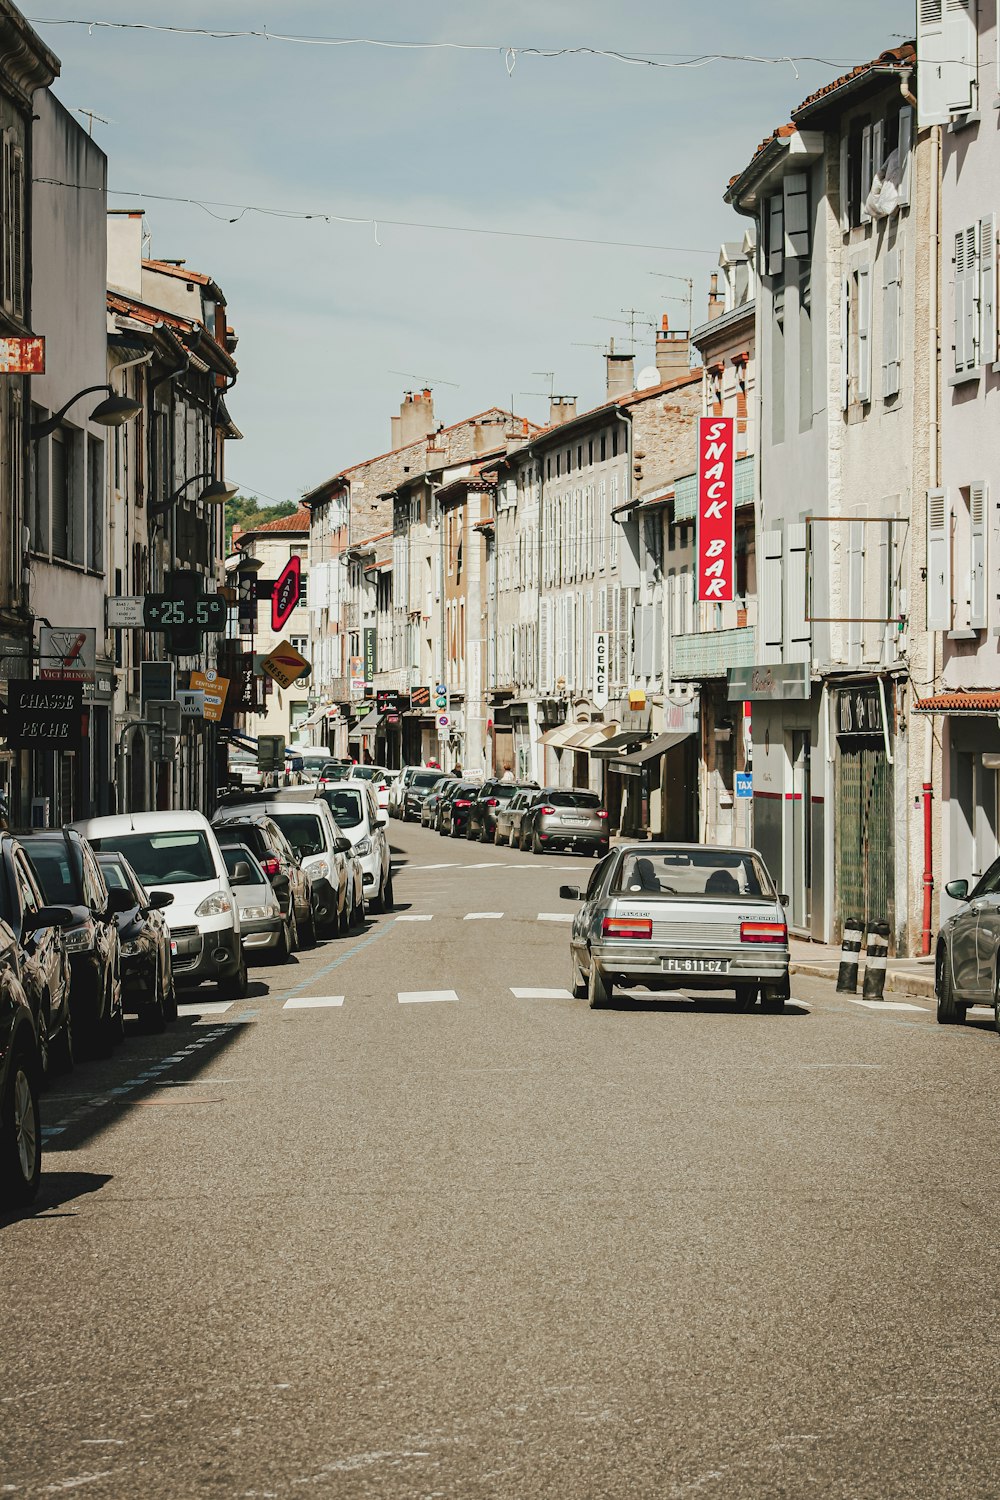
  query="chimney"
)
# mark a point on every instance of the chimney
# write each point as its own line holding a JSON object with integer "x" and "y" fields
{"x": 716, "y": 304}
{"x": 673, "y": 352}
{"x": 621, "y": 373}
{"x": 125, "y": 230}
{"x": 561, "y": 409}
{"x": 415, "y": 420}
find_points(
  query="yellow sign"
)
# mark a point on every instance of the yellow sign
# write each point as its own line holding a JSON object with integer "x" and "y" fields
{"x": 284, "y": 665}
{"x": 215, "y": 689}
{"x": 636, "y": 698}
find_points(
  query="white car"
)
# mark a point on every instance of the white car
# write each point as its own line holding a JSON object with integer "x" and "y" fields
{"x": 178, "y": 852}
{"x": 380, "y": 779}
{"x": 397, "y": 791}
{"x": 355, "y": 807}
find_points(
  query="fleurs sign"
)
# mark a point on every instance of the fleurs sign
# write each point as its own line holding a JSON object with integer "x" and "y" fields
{"x": 716, "y": 510}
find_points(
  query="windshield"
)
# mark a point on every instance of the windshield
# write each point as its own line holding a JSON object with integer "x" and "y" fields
{"x": 50, "y": 863}
{"x": 346, "y": 805}
{"x": 334, "y": 770}
{"x": 168, "y": 858}
{"x": 368, "y": 773}
{"x": 502, "y": 792}
{"x": 240, "y": 856}
{"x": 304, "y": 831}
{"x": 709, "y": 874}
{"x": 572, "y": 799}
{"x": 114, "y": 875}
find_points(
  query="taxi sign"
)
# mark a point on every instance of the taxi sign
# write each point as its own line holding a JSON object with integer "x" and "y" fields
{"x": 284, "y": 665}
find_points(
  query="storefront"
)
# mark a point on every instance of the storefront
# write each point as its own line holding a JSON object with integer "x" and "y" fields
{"x": 969, "y": 727}
{"x": 864, "y": 802}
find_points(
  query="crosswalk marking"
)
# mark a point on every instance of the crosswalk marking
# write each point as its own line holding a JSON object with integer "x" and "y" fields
{"x": 312, "y": 1002}
{"x": 540, "y": 994}
{"x": 555, "y": 916}
{"x": 482, "y": 916}
{"x": 414, "y": 919}
{"x": 206, "y": 1008}
{"x": 884, "y": 1004}
{"x": 419, "y": 997}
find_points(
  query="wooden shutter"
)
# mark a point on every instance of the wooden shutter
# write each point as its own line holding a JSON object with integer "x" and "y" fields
{"x": 17, "y": 193}
{"x": 775, "y": 234}
{"x": 796, "y": 214}
{"x": 938, "y": 561}
{"x": 978, "y": 495}
{"x": 866, "y": 173}
{"x": 797, "y": 627}
{"x": 864, "y": 333}
{"x": 905, "y": 153}
{"x": 890, "y": 325}
{"x": 845, "y": 182}
{"x": 769, "y": 612}
{"x": 988, "y": 289}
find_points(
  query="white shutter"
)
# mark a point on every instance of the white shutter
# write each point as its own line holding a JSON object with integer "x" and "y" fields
{"x": 544, "y": 646}
{"x": 938, "y": 561}
{"x": 769, "y": 613}
{"x": 966, "y": 298}
{"x": 775, "y": 235}
{"x": 905, "y": 152}
{"x": 978, "y": 495}
{"x": 932, "y": 99}
{"x": 866, "y": 173}
{"x": 797, "y": 627}
{"x": 845, "y": 343}
{"x": 845, "y": 182}
{"x": 961, "y": 50}
{"x": 988, "y": 289}
{"x": 796, "y": 214}
{"x": 890, "y": 326}
{"x": 855, "y": 590}
{"x": 571, "y": 674}
{"x": 993, "y": 557}
{"x": 864, "y": 333}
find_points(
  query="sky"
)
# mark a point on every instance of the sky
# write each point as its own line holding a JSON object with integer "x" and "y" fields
{"x": 337, "y": 320}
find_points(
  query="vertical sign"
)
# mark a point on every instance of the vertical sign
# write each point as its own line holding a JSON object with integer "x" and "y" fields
{"x": 286, "y": 593}
{"x": 369, "y": 648}
{"x": 716, "y": 510}
{"x": 600, "y": 693}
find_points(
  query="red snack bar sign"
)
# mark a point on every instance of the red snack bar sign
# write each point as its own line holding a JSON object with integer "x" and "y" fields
{"x": 716, "y": 510}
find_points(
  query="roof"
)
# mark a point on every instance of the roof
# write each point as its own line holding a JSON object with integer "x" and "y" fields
{"x": 630, "y": 398}
{"x": 973, "y": 703}
{"x": 182, "y": 272}
{"x": 298, "y": 522}
{"x": 157, "y": 317}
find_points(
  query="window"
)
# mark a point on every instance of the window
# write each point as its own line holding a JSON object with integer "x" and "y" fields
{"x": 856, "y": 342}
{"x": 604, "y": 446}
{"x": 95, "y": 504}
{"x": 891, "y": 311}
{"x": 947, "y": 45}
{"x": 975, "y": 295}
{"x": 13, "y": 226}
{"x": 774, "y": 235}
{"x": 299, "y": 643}
{"x": 778, "y": 367}
{"x": 805, "y": 350}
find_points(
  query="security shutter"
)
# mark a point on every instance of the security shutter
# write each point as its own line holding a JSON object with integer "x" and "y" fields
{"x": 796, "y": 214}
{"x": 988, "y": 288}
{"x": 890, "y": 325}
{"x": 769, "y": 613}
{"x": 938, "y": 561}
{"x": 775, "y": 235}
{"x": 905, "y": 152}
{"x": 797, "y": 628}
{"x": 978, "y": 495}
{"x": 866, "y": 173}
{"x": 864, "y": 333}
{"x": 845, "y": 343}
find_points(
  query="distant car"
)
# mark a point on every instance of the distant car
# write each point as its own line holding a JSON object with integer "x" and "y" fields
{"x": 680, "y": 916}
{"x": 259, "y": 833}
{"x": 432, "y": 801}
{"x": 43, "y": 967}
{"x": 561, "y": 818}
{"x": 967, "y": 953}
{"x": 380, "y": 779}
{"x": 148, "y": 987}
{"x": 509, "y": 815}
{"x": 482, "y": 820}
{"x": 356, "y": 810}
{"x": 453, "y": 811}
{"x": 265, "y": 926}
{"x": 335, "y": 770}
{"x": 397, "y": 789}
{"x": 420, "y": 785}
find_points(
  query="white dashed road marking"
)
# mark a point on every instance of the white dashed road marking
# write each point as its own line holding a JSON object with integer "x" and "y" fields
{"x": 555, "y": 916}
{"x": 207, "y": 1008}
{"x": 414, "y": 919}
{"x": 419, "y": 997}
{"x": 482, "y": 916}
{"x": 312, "y": 1002}
{"x": 541, "y": 994}
{"x": 886, "y": 1004}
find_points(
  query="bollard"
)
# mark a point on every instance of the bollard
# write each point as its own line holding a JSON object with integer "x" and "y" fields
{"x": 875, "y": 956}
{"x": 847, "y": 977}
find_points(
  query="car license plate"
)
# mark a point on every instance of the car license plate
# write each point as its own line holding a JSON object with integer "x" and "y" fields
{"x": 695, "y": 965}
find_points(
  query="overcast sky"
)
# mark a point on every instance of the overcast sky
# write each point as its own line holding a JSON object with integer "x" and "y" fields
{"x": 573, "y": 146}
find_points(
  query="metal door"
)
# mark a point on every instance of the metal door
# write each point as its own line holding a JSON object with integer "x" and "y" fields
{"x": 801, "y": 867}
{"x": 865, "y": 833}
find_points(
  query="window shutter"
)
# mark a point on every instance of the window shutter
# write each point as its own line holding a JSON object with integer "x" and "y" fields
{"x": 932, "y": 100}
{"x": 890, "y": 326}
{"x": 961, "y": 49}
{"x": 864, "y": 333}
{"x": 855, "y": 590}
{"x": 797, "y": 627}
{"x": 845, "y": 343}
{"x": 978, "y": 493}
{"x": 845, "y": 183}
{"x": 905, "y": 152}
{"x": 544, "y": 644}
{"x": 866, "y": 173}
{"x": 775, "y": 235}
{"x": 966, "y": 298}
{"x": 988, "y": 289}
{"x": 769, "y": 612}
{"x": 570, "y": 668}
{"x": 938, "y": 561}
{"x": 16, "y": 221}
{"x": 796, "y": 214}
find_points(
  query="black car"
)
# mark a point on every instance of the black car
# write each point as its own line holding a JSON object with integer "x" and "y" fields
{"x": 44, "y": 964}
{"x": 20, "y": 1081}
{"x": 482, "y": 819}
{"x": 259, "y": 833}
{"x": 66, "y": 869}
{"x": 453, "y": 813}
{"x": 144, "y": 941}
{"x": 417, "y": 789}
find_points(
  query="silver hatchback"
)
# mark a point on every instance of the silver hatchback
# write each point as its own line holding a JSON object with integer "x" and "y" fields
{"x": 680, "y": 916}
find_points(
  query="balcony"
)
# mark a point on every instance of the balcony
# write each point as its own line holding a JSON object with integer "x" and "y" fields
{"x": 710, "y": 653}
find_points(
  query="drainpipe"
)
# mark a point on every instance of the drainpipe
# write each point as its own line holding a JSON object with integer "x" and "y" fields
{"x": 934, "y": 474}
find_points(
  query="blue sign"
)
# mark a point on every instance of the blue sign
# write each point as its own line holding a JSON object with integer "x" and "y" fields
{"x": 744, "y": 784}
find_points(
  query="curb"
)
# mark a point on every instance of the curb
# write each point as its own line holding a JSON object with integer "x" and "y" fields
{"x": 917, "y": 986}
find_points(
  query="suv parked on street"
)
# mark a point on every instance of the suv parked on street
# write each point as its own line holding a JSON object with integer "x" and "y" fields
{"x": 20, "y": 1081}
{"x": 258, "y": 832}
{"x": 482, "y": 820}
{"x": 356, "y": 810}
{"x": 419, "y": 787}
{"x": 565, "y": 818}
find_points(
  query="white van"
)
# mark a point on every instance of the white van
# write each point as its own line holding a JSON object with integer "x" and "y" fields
{"x": 178, "y": 852}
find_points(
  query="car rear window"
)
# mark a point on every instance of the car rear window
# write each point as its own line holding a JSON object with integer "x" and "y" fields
{"x": 709, "y": 874}
{"x": 426, "y": 778}
{"x": 335, "y": 771}
{"x": 244, "y": 833}
{"x": 573, "y": 799}
{"x": 50, "y": 863}
{"x": 346, "y": 805}
{"x": 304, "y": 831}
{"x": 114, "y": 875}
{"x": 168, "y": 858}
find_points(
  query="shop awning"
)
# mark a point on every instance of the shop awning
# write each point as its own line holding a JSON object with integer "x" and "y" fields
{"x": 971, "y": 705}
{"x": 655, "y": 748}
{"x": 618, "y": 744}
{"x": 560, "y": 735}
{"x": 367, "y": 725}
{"x": 590, "y": 735}
{"x": 316, "y": 717}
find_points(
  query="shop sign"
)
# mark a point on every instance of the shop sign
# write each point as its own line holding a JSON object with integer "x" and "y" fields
{"x": 66, "y": 654}
{"x": 214, "y": 688}
{"x": 600, "y": 669}
{"x": 44, "y": 715}
{"x": 770, "y": 684}
{"x": 680, "y": 718}
{"x": 420, "y": 697}
{"x": 859, "y": 710}
{"x": 192, "y": 704}
{"x": 371, "y": 653}
{"x": 286, "y": 593}
{"x": 22, "y": 356}
{"x": 716, "y": 548}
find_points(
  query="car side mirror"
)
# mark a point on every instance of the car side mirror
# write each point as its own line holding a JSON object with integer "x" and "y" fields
{"x": 570, "y": 893}
{"x": 119, "y": 901}
{"x": 381, "y": 822}
{"x": 241, "y": 873}
{"x": 159, "y": 899}
{"x": 48, "y": 916}
{"x": 342, "y": 846}
{"x": 958, "y": 890}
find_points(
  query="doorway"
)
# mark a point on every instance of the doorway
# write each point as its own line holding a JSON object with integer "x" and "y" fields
{"x": 801, "y": 800}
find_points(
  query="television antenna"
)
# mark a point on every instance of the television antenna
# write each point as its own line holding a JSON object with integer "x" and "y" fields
{"x": 90, "y": 115}
{"x": 685, "y": 281}
{"x": 425, "y": 381}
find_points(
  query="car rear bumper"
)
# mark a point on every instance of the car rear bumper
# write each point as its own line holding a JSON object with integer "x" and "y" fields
{"x": 663, "y": 968}
{"x": 262, "y": 932}
{"x": 573, "y": 838}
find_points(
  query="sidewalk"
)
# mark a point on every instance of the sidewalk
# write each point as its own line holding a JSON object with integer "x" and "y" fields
{"x": 904, "y": 976}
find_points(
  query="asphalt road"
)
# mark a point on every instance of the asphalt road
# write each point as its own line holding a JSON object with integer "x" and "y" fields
{"x": 500, "y": 1245}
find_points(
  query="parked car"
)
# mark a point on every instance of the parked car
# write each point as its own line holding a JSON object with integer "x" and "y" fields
{"x": 20, "y": 1082}
{"x": 380, "y": 779}
{"x": 148, "y": 987}
{"x": 397, "y": 790}
{"x": 44, "y": 968}
{"x": 179, "y": 852}
{"x": 335, "y": 770}
{"x": 432, "y": 801}
{"x": 967, "y": 954}
{"x": 417, "y": 790}
{"x": 327, "y": 858}
{"x": 453, "y": 811}
{"x": 258, "y": 832}
{"x": 311, "y": 761}
{"x": 680, "y": 916}
{"x": 482, "y": 820}
{"x": 264, "y": 923}
{"x": 509, "y": 816}
{"x": 68, "y": 875}
{"x": 356, "y": 810}
{"x": 561, "y": 818}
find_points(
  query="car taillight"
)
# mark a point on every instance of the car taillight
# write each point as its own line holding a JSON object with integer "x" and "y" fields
{"x": 493, "y": 802}
{"x": 461, "y": 804}
{"x": 763, "y": 932}
{"x": 547, "y": 811}
{"x": 270, "y": 866}
{"x": 601, "y": 813}
{"x": 627, "y": 927}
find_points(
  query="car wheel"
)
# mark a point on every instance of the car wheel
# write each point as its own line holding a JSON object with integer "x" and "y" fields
{"x": 388, "y": 900}
{"x": 61, "y": 1047}
{"x": 20, "y": 1134}
{"x": 283, "y": 949}
{"x": 293, "y": 928}
{"x": 599, "y": 989}
{"x": 235, "y": 987}
{"x": 361, "y": 911}
{"x": 309, "y": 930}
{"x": 522, "y": 843}
{"x": 152, "y": 1016}
{"x": 996, "y": 1001}
{"x": 537, "y": 847}
{"x": 948, "y": 1012}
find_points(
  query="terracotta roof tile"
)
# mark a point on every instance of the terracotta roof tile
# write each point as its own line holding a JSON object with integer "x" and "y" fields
{"x": 297, "y": 522}
{"x": 960, "y": 702}
{"x": 893, "y": 57}
{"x": 183, "y": 273}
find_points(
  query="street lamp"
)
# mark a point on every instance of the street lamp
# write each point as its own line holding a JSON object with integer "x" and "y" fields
{"x": 113, "y": 411}
{"x": 217, "y": 493}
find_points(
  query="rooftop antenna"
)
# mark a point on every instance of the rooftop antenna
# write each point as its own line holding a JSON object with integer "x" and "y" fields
{"x": 685, "y": 281}
{"x": 551, "y": 377}
{"x": 90, "y": 115}
{"x": 425, "y": 380}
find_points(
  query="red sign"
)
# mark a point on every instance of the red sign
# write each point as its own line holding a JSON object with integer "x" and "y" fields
{"x": 22, "y": 356}
{"x": 716, "y": 510}
{"x": 286, "y": 594}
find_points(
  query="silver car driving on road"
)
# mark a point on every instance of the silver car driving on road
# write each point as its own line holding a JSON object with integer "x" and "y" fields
{"x": 680, "y": 916}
